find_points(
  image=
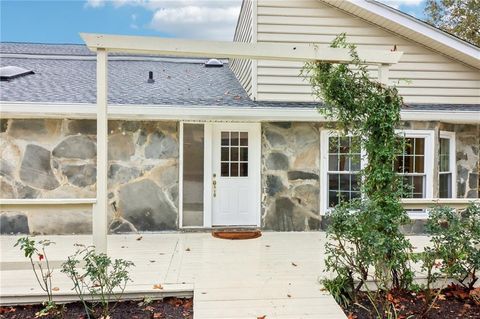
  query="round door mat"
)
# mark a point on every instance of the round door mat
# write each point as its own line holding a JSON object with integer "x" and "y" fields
{"x": 236, "y": 234}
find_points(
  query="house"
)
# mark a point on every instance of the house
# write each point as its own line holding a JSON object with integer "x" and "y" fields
{"x": 234, "y": 143}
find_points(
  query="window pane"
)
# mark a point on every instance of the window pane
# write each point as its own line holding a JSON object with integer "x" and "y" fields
{"x": 420, "y": 146}
{"x": 225, "y": 138}
{"x": 333, "y": 181}
{"x": 419, "y": 164}
{"x": 344, "y": 144}
{"x": 355, "y": 162}
{"x": 333, "y": 144}
{"x": 345, "y": 182}
{"x": 234, "y": 154}
{"x": 244, "y": 154}
{"x": 355, "y": 182}
{"x": 445, "y": 185}
{"x": 224, "y": 169}
{"x": 193, "y": 143}
{"x": 234, "y": 169}
{"x": 343, "y": 163}
{"x": 243, "y": 169}
{"x": 332, "y": 199}
{"x": 224, "y": 156}
{"x": 355, "y": 146}
{"x": 444, "y": 155}
{"x": 234, "y": 138}
{"x": 333, "y": 163}
{"x": 408, "y": 164}
{"x": 244, "y": 139}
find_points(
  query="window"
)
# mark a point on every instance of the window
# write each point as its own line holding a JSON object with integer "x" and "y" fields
{"x": 234, "y": 154}
{"x": 446, "y": 168}
{"x": 411, "y": 166}
{"x": 342, "y": 165}
{"x": 193, "y": 172}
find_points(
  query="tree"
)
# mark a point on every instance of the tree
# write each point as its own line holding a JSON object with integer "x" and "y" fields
{"x": 459, "y": 17}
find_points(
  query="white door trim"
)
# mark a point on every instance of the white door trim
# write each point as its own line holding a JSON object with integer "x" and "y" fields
{"x": 208, "y": 169}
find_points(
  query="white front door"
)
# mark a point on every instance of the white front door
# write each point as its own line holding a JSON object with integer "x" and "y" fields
{"x": 236, "y": 174}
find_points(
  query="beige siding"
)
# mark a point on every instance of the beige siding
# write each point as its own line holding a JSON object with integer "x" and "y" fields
{"x": 242, "y": 68}
{"x": 422, "y": 76}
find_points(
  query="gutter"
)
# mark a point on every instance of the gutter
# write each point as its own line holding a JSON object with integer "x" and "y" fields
{"x": 207, "y": 113}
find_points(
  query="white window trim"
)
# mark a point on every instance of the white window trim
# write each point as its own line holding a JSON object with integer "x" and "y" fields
{"x": 324, "y": 135}
{"x": 452, "y": 157}
{"x": 428, "y": 135}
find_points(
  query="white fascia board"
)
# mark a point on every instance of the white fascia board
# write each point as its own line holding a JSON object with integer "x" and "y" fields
{"x": 206, "y": 113}
{"x": 235, "y": 50}
{"x": 405, "y": 21}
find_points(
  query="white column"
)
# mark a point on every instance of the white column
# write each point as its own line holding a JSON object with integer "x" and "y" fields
{"x": 100, "y": 209}
{"x": 383, "y": 71}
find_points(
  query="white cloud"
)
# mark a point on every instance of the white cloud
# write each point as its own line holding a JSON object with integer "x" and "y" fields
{"x": 200, "y": 19}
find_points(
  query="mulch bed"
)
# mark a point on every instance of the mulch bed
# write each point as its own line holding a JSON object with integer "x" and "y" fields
{"x": 453, "y": 303}
{"x": 168, "y": 308}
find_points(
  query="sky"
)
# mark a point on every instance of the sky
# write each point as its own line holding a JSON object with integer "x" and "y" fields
{"x": 58, "y": 21}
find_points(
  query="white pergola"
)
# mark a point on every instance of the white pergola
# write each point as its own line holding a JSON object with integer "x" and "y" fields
{"x": 102, "y": 44}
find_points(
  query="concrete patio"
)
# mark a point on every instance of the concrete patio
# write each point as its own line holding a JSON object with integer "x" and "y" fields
{"x": 276, "y": 275}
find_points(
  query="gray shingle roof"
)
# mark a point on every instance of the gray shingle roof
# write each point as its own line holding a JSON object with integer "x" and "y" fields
{"x": 65, "y": 73}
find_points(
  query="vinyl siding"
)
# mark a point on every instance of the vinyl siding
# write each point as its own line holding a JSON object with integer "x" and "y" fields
{"x": 422, "y": 76}
{"x": 242, "y": 68}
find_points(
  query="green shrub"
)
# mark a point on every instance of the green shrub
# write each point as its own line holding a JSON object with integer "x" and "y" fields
{"x": 99, "y": 277}
{"x": 455, "y": 236}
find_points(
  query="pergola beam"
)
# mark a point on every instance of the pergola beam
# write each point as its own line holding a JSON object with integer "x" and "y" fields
{"x": 237, "y": 50}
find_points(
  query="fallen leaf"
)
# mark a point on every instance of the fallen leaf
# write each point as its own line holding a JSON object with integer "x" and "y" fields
{"x": 289, "y": 296}
{"x": 237, "y": 97}
{"x": 55, "y": 289}
{"x": 152, "y": 261}
{"x": 188, "y": 249}
{"x": 140, "y": 238}
{"x": 351, "y": 316}
{"x": 157, "y": 315}
{"x": 294, "y": 264}
{"x": 262, "y": 317}
{"x": 149, "y": 308}
{"x": 157, "y": 286}
{"x": 267, "y": 245}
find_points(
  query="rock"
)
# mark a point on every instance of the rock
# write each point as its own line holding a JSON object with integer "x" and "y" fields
{"x": 3, "y": 125}
{"x": 306, "y": 136}
{"x": 35, "y": 170}
{"x": 12, "y": 223}
{"x": 284, "y": 217}
{"x": 120, "y": 147}
{"x": 282, "y": 124}
{"x": 174, "y": 194}
{"x": 308, "y": 159}
{"x": 80, "y": 175}
{"x": 473, "y": 193}
{"x": 87, "y": 127}
{"x": 147, "y": 207}
{"x": 119, "y": 226}
{"x": 161, "y": 146}
{"x": 142, "y": 137}
{"x": 131, "y": 126}
{"x": 274, "y": 185}
{"x": 35, "y": 129}
{"x": 24, "y": 191}
{"x": 6, "y": 169}
{"x": 473, "y": 180}
{"x": 308, "y": 196}
{"x": 119, "y": 174}
{"x": 77, "y": 146}
{"x": 70, "y": 191}
{"x": 293, "y": 175}
{"x": 165, "y": 175}
{"x": 275, "y": 139}
{"x": 9, "y": 151}
{"x": 461, "y": 189}
{"x": 6, "y": 189}
{"x": 277, "y": 161}
{"x": 61, "y": 222}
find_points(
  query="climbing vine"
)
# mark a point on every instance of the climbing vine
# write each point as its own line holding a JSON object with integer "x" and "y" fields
{"x": 365, "y": 241}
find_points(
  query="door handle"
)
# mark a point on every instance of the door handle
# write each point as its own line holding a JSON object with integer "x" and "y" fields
{"x": 214, "y": 182}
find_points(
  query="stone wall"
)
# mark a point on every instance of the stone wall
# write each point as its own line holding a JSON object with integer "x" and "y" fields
{"x": 468, "y": 160}
{"x": 290, "y": 176}
{"x": 43, "y": 158}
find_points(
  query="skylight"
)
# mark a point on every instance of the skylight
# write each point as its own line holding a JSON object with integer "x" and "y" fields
{"x": 213, "y": 63}
{"x": 10, "y": 72}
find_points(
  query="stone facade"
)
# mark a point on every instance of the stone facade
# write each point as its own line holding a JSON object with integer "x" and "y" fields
{"x": 290, "y": 176}
{"x": 43, "y": 158}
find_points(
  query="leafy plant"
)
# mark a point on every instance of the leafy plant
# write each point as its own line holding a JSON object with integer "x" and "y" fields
{"x": 99, "y": 277}
{"x": 365, "y": 241}
{"x": 36, "y": 253}
{"x": 456, "y": 242}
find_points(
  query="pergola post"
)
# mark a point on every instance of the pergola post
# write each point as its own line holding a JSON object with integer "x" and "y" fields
{"x": 99, "y": 219}
{"x": 383, "y": 70}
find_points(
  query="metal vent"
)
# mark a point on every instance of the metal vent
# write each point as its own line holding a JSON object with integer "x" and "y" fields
{"x": 213, "y": 63}
{"x": 10, "y": 72}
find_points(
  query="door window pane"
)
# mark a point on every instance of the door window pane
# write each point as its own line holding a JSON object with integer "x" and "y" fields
{"x": 411, "y": 166}
{"x": 234, "y": 154}
{"x": 445, "y": 173}
{"x": 193, "y": 151}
